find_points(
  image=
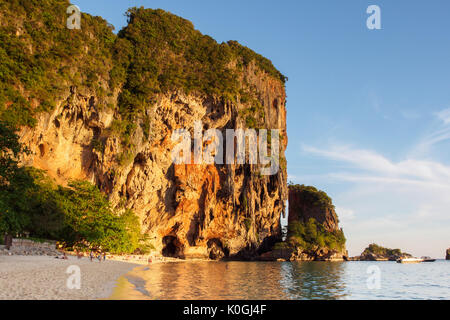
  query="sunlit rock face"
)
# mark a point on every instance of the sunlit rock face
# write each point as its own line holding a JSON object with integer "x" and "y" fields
{"x": 307, "y": 203}
{"x": 112, "y": 104}
{"x": 302, "y": 209}
{"x": 189, "y": 210}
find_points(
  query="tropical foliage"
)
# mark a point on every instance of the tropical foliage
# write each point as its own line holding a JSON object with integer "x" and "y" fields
{"x": 157, "y": 52}
{"x": 77, "y": 214}
{"x": 40, "y": 58}
{"x": 311, "y": 196}
{"x": 312, "y": 235}
{"x": 381, "y": 251}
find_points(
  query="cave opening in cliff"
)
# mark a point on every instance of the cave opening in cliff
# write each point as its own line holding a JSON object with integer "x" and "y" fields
{"x": 217, "y": 250}
{"x": 272, "y": 186}
{"x": 172, "y": 247}
{"x": 42, "y": 150}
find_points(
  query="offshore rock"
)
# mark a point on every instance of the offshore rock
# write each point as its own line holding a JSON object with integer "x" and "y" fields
{"x": 307, "y": 203}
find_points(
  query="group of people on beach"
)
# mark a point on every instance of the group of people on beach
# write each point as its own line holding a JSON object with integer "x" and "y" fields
{"x": 98, "y": 255}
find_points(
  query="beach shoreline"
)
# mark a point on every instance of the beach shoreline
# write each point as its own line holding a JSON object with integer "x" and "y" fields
{"x": 35, "y": 277}
{"x": 46, "y": 278}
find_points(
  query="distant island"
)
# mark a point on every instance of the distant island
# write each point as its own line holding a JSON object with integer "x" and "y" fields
{"x": 375, "y": 252}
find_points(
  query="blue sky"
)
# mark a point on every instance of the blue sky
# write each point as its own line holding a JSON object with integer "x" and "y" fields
{"x": 368, "y": 110}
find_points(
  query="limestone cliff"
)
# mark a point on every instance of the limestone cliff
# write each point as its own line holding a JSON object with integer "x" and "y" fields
{"x": 307, "y": 202}
{"x": 311, "y": 211}
{"x": 111, "y": 119}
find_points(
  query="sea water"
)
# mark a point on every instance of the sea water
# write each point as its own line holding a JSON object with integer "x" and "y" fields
{"x": 286, "y": 280}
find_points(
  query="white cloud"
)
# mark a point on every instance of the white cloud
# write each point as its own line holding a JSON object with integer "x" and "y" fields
{"x": 360, "y": 158}
{"x": 439, "y": 133}
{"x": 407, "y": 171}
{"x": 345, "y": 214}
{"x": 410, "y": 114}
{"x": 444, "y": 115}
{"x": 405, "y": 202}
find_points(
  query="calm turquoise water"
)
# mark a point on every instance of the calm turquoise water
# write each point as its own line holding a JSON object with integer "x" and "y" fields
{"x": 286, "y": 280}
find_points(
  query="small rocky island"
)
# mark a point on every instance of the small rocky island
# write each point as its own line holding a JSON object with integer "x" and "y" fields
{"x": 447, "y": 254}
{"x": 375, "y": 252}
{"x": 313, "y": 229}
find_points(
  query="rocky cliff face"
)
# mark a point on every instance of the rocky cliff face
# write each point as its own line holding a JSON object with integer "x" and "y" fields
{"x": 186, "y": 210}
{"x": 307, "y": 203}
{"x": 303, "y": 206}
{"x": 189, "y": 210}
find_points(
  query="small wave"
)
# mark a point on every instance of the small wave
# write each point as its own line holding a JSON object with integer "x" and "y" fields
{"x": 139, "y": 284}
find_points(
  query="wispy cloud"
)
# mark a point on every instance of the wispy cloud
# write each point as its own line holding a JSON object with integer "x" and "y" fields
{"x": 410, "y": 114}
{"x": 406, "y": 171}
{"x": 444, "y": 115}
{"x": 389, "y": 200}
{"x": 439, "y": 133}
{"x": 345, "y": 214}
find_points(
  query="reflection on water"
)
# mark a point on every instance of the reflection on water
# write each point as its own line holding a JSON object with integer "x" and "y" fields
{"x": 313, "y": 280}
{"x": 284, "y": 280}
{"x": 233, "y": 280}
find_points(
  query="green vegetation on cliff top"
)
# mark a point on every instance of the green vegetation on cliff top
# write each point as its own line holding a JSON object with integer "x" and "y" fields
{"x": 40, "y": 59}
{"x": 311, "y": 235}
{"x": 312, "y": 196}
{"x": 160, "y": 52}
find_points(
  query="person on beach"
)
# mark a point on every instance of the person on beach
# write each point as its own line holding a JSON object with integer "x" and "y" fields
{"x": 91, "y": 255}
{"x": 99, "y": 257}
{"x": 63, "y": 257}
{"x": 104, "y": 256}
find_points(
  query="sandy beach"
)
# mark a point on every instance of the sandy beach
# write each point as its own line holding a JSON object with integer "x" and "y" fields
{"x": 45, "y": 278}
